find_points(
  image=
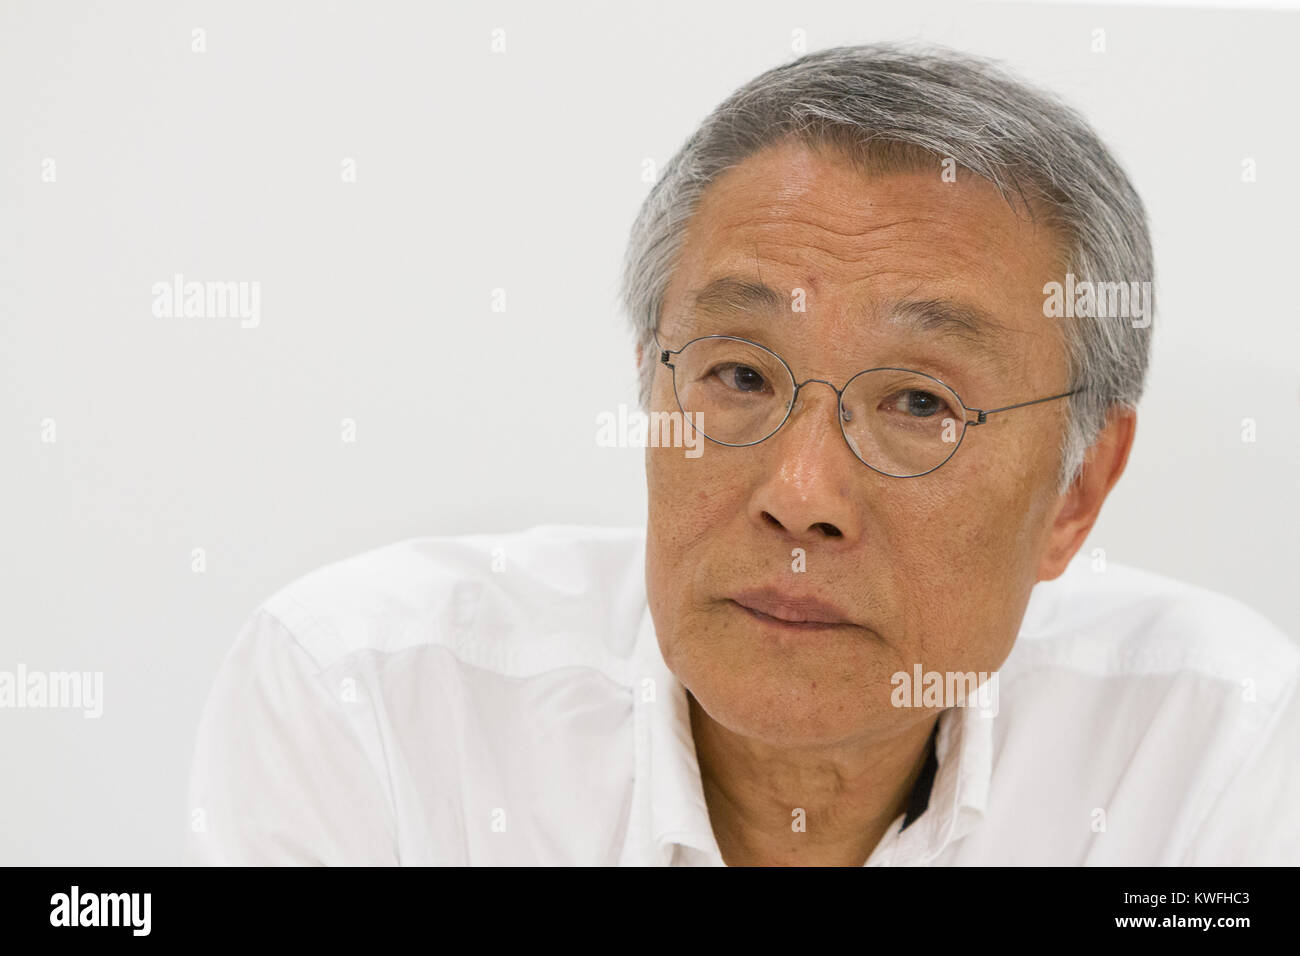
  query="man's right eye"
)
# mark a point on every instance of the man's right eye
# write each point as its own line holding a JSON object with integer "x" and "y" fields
{"x": 741, "y": 378}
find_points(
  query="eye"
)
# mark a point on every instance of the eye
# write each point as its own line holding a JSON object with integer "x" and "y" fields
{"x": 917, "y": 403}
{"x": 741, "y": 378}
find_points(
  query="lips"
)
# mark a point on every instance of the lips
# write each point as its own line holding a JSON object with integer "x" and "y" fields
{"x": 782, "y": 607}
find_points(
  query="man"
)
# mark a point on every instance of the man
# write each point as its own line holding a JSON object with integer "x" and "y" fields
{"x": 852, "y": 631}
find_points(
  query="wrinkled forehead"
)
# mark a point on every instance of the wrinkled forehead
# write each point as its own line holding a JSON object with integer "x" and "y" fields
{"x": 866, "y": 257}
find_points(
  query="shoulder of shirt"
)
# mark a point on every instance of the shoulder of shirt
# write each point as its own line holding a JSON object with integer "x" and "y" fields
{"x": 1121, "y": 621}
{"x": 517, "y": 603}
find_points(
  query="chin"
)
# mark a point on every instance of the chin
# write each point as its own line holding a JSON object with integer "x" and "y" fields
{"x": 779, "y": 716}
{"x": 773, "y": 700}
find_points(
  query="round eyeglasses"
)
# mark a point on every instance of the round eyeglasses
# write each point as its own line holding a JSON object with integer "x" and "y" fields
{"x": 898, "y": 422}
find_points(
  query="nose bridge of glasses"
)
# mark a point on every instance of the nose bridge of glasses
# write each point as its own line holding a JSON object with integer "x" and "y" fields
{"x": 796, "y": 401}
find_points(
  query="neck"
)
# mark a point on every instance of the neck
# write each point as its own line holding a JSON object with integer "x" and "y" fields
{"x": 849, "y": 794}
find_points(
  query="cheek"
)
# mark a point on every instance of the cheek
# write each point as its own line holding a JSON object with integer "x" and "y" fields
{"x": 694, "y": 500}
{"x": 692, "y": 505}
{"x": 697, "y": 509}
{"x": 961, "y": 570}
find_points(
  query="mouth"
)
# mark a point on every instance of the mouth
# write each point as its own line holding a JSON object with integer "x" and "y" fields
{"x": 791, "y": 613}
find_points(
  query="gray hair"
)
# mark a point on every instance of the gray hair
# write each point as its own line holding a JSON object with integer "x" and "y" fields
{"x": 894, "y": 105}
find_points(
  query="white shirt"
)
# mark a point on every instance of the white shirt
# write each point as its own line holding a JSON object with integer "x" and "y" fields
{"x": 490, "y": 700}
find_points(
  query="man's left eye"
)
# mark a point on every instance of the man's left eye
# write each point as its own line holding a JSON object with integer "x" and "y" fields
{"x": 919, "y": 404}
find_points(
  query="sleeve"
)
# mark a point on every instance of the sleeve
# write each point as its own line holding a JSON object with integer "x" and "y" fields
{"x": 1256, "y": 819}
{"x": 280, "y": 774}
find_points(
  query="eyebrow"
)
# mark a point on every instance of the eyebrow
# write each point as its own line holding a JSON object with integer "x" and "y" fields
{"x": 730, "y": 294}
{"x": 952, "y": 317}
{"x": 970, "y": 324}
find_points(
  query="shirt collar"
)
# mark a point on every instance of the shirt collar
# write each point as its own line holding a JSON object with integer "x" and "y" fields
{"x": 679, "y": 816}
{"x": 959, "y": 796}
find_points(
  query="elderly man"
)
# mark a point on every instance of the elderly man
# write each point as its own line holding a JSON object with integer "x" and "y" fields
{"x": 852, "y": 631}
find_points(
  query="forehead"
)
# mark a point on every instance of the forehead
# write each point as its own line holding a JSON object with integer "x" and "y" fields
{"x": 900, "y": 252}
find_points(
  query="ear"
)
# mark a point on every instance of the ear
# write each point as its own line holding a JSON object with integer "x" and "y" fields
{"x": 1080, "y": 504}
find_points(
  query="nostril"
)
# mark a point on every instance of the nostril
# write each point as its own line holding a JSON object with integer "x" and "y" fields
{"x": 767, "y": 516}
{"x": 828, "y": 529}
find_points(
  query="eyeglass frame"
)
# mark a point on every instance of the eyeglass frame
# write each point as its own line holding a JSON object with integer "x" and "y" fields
{"x": 980, "y": 413}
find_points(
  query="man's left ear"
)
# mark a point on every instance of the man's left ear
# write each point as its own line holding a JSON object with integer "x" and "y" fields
{"x": 1080, "y": 504}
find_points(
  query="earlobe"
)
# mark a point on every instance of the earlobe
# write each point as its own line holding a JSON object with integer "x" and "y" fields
{"x": 1080, "y": 504}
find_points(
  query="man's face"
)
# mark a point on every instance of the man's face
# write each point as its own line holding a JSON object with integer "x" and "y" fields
{"x": 933, "y": 570}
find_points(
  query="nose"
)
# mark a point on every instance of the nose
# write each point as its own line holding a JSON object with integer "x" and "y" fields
{"x": 809, "y": 474}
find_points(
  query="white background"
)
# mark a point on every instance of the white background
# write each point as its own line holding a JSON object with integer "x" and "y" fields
{"x": 476, "y": 171}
